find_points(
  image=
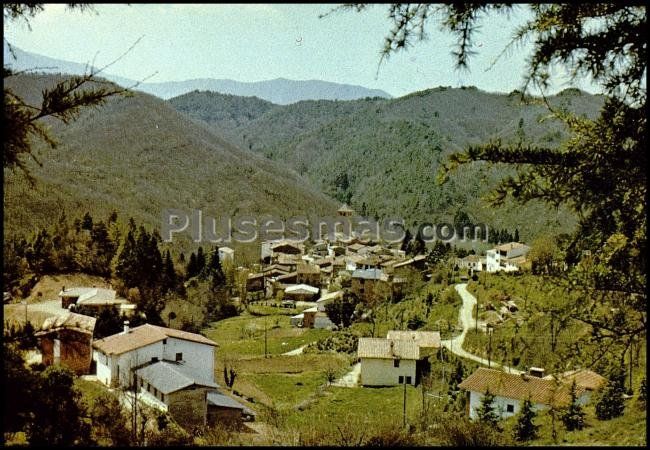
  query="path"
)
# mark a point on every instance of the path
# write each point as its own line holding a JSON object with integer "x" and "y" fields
{"x": 295, "y": 352}
{"x": 350, "y": 379}
{"x": 455, "y": 345}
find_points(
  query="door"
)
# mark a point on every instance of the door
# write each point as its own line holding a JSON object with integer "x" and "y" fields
{"x": 57, "y": 351}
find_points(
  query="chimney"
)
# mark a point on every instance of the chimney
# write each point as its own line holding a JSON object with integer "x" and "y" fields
{"x": 126, "y": 327}
{"x": 63, "y": 288}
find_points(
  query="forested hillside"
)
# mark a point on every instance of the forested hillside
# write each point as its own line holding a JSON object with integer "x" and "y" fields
{"x": 138, "y": 156}
{"x": 382, "y": 156}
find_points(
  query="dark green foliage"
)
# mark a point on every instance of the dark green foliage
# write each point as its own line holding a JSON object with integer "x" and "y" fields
{"x": 415, "y": 323}
{"x": 455, "y": 378}
{"x": 486, "y": 412}
{"x": 192, "y": 269}
{"x": 642, "y": 391}
{"x": 108, "y": 322}
{"x": 200, "y": 263}
{"x": 57, "y": 415}
{"x": 339, "y": 342}
{"x": 438, "y": 253}
{"x": 215, "y": 271}
{"x": 341, "y": 310}
{"x": 109, "y": 420}
{"x": 574, "y": 417}
{"x": 611, "y": 403}
{"x": 525, "y": 429}
{"x": 20, "y": 388}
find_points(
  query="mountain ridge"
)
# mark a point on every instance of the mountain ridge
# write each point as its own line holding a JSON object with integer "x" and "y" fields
{"x": 278, "y": 90}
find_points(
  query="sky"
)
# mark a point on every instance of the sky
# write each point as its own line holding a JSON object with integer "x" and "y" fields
{"x": 255, "y": 42}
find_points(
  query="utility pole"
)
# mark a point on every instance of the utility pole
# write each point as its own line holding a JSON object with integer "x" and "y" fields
{"x": 404, "y": 415}
{"x": 489, "y": 346}
{"x": 265, "y": 340}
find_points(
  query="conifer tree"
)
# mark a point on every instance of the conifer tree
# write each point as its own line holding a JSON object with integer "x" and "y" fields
{"x": 200, "y": 263}
{"x": 190, "y": 270}
{"x": 516, "y": 235}
{"x": 170, "y": 280}
{"x": 215, "y": 271}
{"x": 574, "y": 417}
{"x": 127, "y": 262}
{"x": 406, "y": 241}
{"x": 525, "y": 429}
{"x": 486, "y": 412}
{"x": 610, "y": 404}
{"x": 87, "y": 222}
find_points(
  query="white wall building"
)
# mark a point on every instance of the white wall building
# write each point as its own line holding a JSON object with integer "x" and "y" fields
{"x": 117, "y": 356}
{"x": 386, "y": 362}
{"x": 510, "y": 391}
{"x": 226, "y": 254}
{"x": 506, "y": 257}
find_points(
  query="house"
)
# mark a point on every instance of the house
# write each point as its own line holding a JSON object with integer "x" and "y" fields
{"x": 418, "y": 262}
{"x": 427, "y": 341}
{"x": 255, "y": 282}
{"x": 345, "y": 211}
{"x": 587, "y": 379}
{"x": 302, "y": 292}
{"x": 471, "y": 262}
{"x": 510, "y": 391}
{"x": 117, "y": 356}
{"x": 506, "y": 257}
{"x": 371, "y": 284}
{"x": 225, "y": 409}
{"x": 308, "y": 274}
{"x": 67, "y": 340}
{"x": 226, "y": 254}
{"x": 176, "y": 388}
{"x": 270, "y": 250}
{"x": 313, "y": 318}
{"x": 388, "y": 362}
{"x": 95, "y": 298}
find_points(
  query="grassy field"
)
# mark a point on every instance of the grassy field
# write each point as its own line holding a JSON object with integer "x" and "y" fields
{"x": 243, "y": 336}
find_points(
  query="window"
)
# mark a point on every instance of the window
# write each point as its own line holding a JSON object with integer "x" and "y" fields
{"x": 148, "y": 387}
{"x": 179, "y": 356}
{"x": 396, "y": 363}
{"x": 408, "y": 380}
{"x": 400, "y": 379}
{"x": 510, "y": 408}
{"x": 154, "y": 359}
{"x": 164, "y": 341}
{"x": 162, "y": 396}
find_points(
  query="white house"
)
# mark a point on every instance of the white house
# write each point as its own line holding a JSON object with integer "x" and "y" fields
{"x": 387, "y": 362}
{"x": 117, "y": 356}
{"x": 510, "y": 391}
{"x": 474, "y": 263}
{"x": 226, "y": 254}
{"x": 506, "y": 257}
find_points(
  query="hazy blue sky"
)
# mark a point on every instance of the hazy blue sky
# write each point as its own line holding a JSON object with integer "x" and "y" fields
{"x": 250, "y": 42}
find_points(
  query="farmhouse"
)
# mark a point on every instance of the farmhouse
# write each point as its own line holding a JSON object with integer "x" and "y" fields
{"x": 511, "y": 390}
{"x": 506, "y": 257}
{"x": 308, "y": 274}
{"x": 171, "y": 386}
{"x": 92, "y": 297}
{"x": 117, "y": 356}
{"x": 67, "y": 340}
{"x": 387, "y": 362}
{"x": 471, "y": 262}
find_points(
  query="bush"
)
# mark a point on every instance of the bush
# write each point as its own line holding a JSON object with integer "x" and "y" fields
{"x": 465, "y": 433}
{"x": 339, "y": 342}
{"x": 610, "y": 404}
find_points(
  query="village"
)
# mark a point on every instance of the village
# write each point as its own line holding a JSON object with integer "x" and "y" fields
{"x": 318, "y": 290}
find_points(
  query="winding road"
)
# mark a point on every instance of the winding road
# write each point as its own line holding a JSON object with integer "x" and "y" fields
{"x": 455, "y": 345}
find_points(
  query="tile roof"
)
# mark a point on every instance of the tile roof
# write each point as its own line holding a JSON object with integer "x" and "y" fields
{"x": 69, "y": 320}
{"x": 429, "y": 339}
{"x": 142, "y": 336}
{"x": 387, "y": 349}
{"x": 510, "y": 246}
{"x": 519, "y": 387}
{"x": 301, "y": 289}
{"x": 171, "y": 377}
{"x": 585, "y": 378}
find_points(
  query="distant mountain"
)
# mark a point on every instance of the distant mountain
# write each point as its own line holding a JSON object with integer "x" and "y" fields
{"x": 382, "y": 155}
{"x": 138, "y": 155}
{"x": 280, "y": 91}
{"x": 20, "y": 60}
